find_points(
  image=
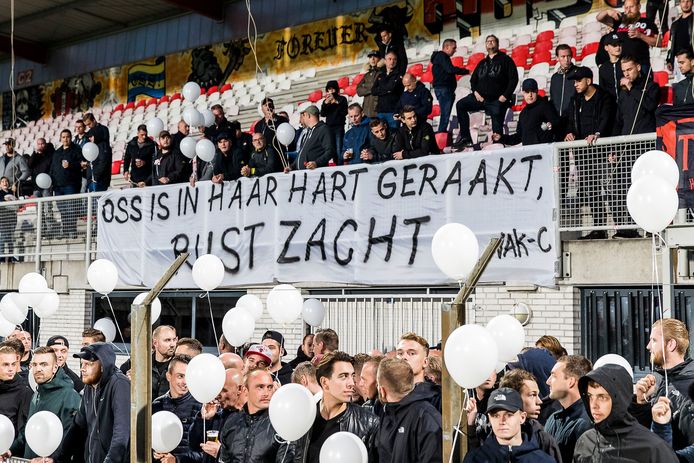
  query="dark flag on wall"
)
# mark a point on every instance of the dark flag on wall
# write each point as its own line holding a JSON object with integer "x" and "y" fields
{"x": 675, "y": 130}
{"x": 147, "y": 79}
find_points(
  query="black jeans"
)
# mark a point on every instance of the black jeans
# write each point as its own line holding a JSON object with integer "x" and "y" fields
{"x": 495, "y": 109}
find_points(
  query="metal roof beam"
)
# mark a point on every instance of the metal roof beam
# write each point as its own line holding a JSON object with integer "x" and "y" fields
{"x": 213, "y": 9}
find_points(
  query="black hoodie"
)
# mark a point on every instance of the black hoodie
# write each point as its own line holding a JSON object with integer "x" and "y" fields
{"x": 444, "y": 72}
{"x": 645, "y": 101}
{"x": 300, "y": 357}
{"x": 588, "y": 117}
{"x": 494, "y": 77}
{"x": 103, "y": 420}
{"x": 529, "y": 130}
{"x": 410, "y": 431}
{"x": 145, "y": 153}
{"x": 493, "y": 452}
{"x": 40, "y": 163}
{"x": 619, "y": 437}
{"x": 15, "y": 397}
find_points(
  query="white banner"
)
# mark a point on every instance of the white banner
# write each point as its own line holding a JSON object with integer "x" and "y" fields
{"x": 352, "y": 224}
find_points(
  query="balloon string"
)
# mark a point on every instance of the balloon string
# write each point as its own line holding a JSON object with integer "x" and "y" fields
{"x": 286, "y": 449}
{"x": 660, "y": 307}
{"x": 214, "y": 330}
{"x": 113, "y": 312}
{"x": 456, "y": 429}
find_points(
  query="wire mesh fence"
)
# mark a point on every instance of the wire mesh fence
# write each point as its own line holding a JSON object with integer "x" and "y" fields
{"x": 50, "y": 228}
{"x": 593, "y": 181}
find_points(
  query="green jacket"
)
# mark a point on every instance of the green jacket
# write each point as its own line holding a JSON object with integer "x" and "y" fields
{"x": 58, "y": 396}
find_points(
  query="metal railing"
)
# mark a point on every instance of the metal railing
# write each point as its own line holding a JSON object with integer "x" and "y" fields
{"x": 592, "y": 181}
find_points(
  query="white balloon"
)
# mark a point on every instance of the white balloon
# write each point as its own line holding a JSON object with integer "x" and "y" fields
{"x": 652, "y": 203}
{"x": 191, "y": 91}
{"x": 13, "y": 308}
{"x": 32, "y": 381}
{"x": 90, "y": 151}
{"x": 238, "y": 326}
{"x": 102, "y": 276}
{"x": 6, "y": 326}
{"x": 285, "y": 133}
{"x": 192, "y": 116}
{"x": 252, "y": 304}
{"x": 455, "y": 250}
{"x": 208, "y": 117}
{"x": 658, "y": 163}
{"x": 155, "y": 127}
{"x": 205, "y": 150}
{"x": 292, "y": 411}
{"x": 167, "y": 432}
{"x": 509, "y": 335}
{"x": 33, "y": 288}
{"x": 49, "y": 305}
{"x": 6, "y": 434}
{"x": 44, "y": 181}
{"x": 106, "y": 326}
{"x": 313, "y": 312}
{"x": 156, "y": 306}
{"x": 343, "y": 447}
{"x": 471, "y": 355}
{"x": 43, "y": 433}
{"x": 614, "y": 359}
{"x": 284, "y": 303}
{"x": 187, "y": 147}
{"x": 205, "y": 377}
{"x": 208, "y": 272}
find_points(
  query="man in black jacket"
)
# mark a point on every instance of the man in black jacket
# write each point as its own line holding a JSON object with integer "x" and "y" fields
{"x": 15, "y": 393}
{"x": 537, "y": 121}
{"x": 164, "y": 341}
{"x": 637, "y": 102}
{"x": 66, "y": 177}
{"x": 410, "y": 428}
{"x": 617, "y": 436}
{"x": 249, "y": 435}
{"x": 388, "y": 88}
{"x": 336, "y": 412}
{"x": 493, "y": 84}
{"x": 414, "y": 349}
{"x": 568, "y": 424}
{"x": 264, "y": 160}
{"x": 281, "y": 371}
{"x": 388, "y": 42}
{"x": 179, "y": 401}
{"x": 228, "y": 161}
{"x": 102, "y": 423}
{"x": 591, "y": 115}
{"x": 382, "y": 143}
{"x": 445, "y": 82}
{"x": 334, "y": 110}
{"x": 138, "y": 157}
{"x": 221, "y": 124}
{"x": 680, "y": 33}
{"x": 269, "y": 123}
{"x": 683, "y": 91}
{"x": 168, "y": 166}
{"x": 415, "y": 138}
{"x": 61, "y": 347}
{"x": 610, "y": 72}
{"x": 561, "y": 89}
{"x": 415, "y": 94}
{"x": 319, "y": 147}
{"x": 99, "y": 171}
{"x": 40, "y": 163}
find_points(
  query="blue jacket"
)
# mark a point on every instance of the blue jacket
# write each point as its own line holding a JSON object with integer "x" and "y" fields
{"x": 420, "y": 98}
{"x": 356, "y": 139}
{"x": 493, "y": 452}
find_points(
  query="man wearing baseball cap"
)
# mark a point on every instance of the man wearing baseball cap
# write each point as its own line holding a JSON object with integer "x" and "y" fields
{"x": 256, "y": 357}
{"x": 280, "y": 371}
{"x": 61, "y": 347}
{"x": 507, "y": 443}
{"x": 319, "y": 146}
{"x": 371, "y": 70}
{"x": 610, "y": 72}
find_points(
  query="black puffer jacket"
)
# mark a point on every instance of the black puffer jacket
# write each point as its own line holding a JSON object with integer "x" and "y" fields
{"x": 185, "y": 408}
{"x": 250, "y": 438}
{"x": 410, "y": 431}
{"x": 102, "y": 423}
{"x": 72, "y": 175}
{"x": 619, "y": 437}
{"x": 15, "y": 397}
{"x": 144, "y": 153}
{"x": 265, "y": 162}
{"x": 355, "y": 419}
{"x": 388, "y": 88}
{"x": 196, "y": 433}
{"x": 529, "y": 130}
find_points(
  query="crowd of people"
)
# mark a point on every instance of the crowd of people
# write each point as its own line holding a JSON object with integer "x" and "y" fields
{"x": 545, "y": 406}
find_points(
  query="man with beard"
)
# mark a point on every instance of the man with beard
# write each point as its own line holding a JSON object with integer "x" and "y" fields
{"x": 15, "y": 393}
{"x": 371, "y": 71}
{"x": 668, "y": 345}
{"x": 102, "y": 423}
{"x": 281, "y": 372}
{"x": 40, "y": 163}
{"x": 249, "y": 435}
{"x": 61, "y": 347}
{"x": 164, "y": 341}
{"x": 264, "y": 160}
{"x": 638, "y": 34}
{"x": 537, "y": 121}
{"x": 228, "y": 162}
{"x": 305, "y": 351}
{"x": 637, "y": 101}
{"x": 137, "y": 161}
{"x": 221, "y": 123}
{"x": 168, "y": 166}
{"x": 269, "y": 123}
{"x": 179, "y": 401}
{"x": 54, "y": 393}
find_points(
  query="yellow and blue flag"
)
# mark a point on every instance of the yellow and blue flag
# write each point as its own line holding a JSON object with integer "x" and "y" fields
{"x": 147, "y": 79}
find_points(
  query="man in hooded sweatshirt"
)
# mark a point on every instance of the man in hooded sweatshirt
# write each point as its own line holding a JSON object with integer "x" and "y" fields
{"x": 508, "y": 443}
{"x": 15, "y": 393}
{"x": 410, "y": 428}
{"x": 616, "y": 436}
{"x": 54, "y": 394}
{"x": 102, "y": 423}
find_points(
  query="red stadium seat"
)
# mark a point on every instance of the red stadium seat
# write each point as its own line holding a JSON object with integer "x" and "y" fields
{"x": 661, "y": 78}
{"x": 520, "y": 61}
{"x": 203, "y": 90}
{"x": 544, "y": 36}
{"x": 343, "y": 82}
{"x": 164, "y": 99}
{"x": 212, "y": 90}
{"x": 315, "y": 96}
{"x": 666, "y": 39}
{"x": 542, "y": 57}
{"x": 119, "y": 107}
{"x": 225, "y": 87}
{"x": 176, "y": 96}
{"x": 416, "y": 70}
{"x": 130, "y": 105}
{"x": 521, "y": 50}
{"x": 589, "y": 49}
{"x": 427, "y": 77}
{"x": 350, "y": 90}
{"x": 458, "y": 61}
{"x": 358, "y": 78}
{"x": 442, "y": 140}
{"x": 252, "y": 129}
{"x": 435, "y": 111}
{"x": 151, "y": 101}
{"x": 115, "y": 167}
{"x": 543, "y": 46}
